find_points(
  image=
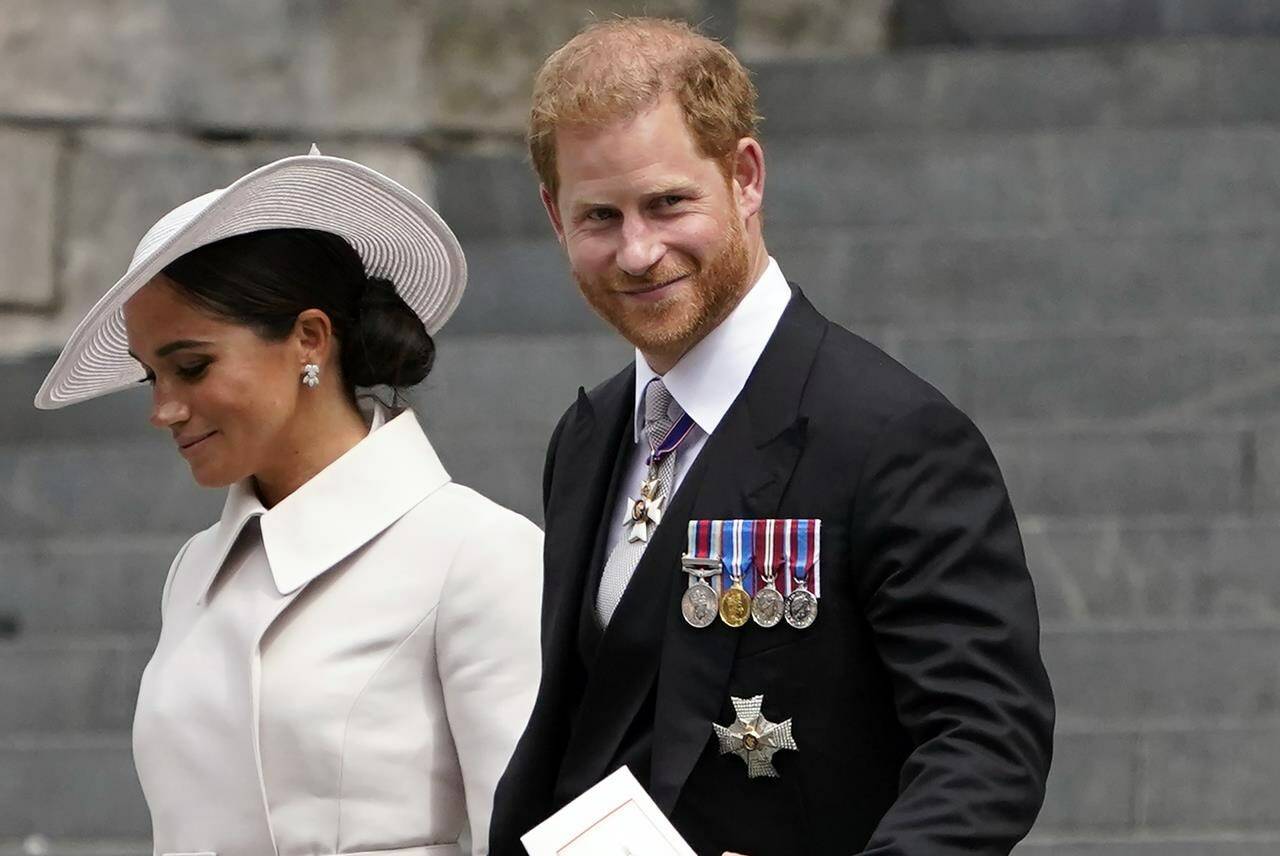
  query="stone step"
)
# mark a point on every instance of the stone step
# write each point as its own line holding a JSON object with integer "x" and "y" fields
{"x": 922, "y": 280}
{"x": 1222, "y": 844}
{"x": 1192, "y": 783}
{"x": 1156, "y": 572}
{"x": 85, "y": 685}
{"x": 1176, "y": 83}
{"x": 1186, "y": 677}
{"x": 79, "y": 787}
{"x": 1091, "y": 574}
{"x": 1190, "y": 178}
{"x": 1193, "y": 675}
{"x": 1009, "y": 22}
{"x": 40, "y": 845}
{"x": 141, "y": 486}
{"x": 74, "y": 586}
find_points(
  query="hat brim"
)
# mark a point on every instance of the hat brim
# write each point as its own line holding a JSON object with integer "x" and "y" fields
{"x": 397, "y": 235}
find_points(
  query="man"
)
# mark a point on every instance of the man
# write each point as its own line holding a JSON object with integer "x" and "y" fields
{"x": 912, "y": 714}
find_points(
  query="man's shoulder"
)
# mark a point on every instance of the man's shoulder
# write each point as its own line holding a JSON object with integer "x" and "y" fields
{"x": 856, "y": 378}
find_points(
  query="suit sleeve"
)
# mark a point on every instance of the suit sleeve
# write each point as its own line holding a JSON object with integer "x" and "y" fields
{"x": 949, "y": 599}
{"x": 487, "y": 653}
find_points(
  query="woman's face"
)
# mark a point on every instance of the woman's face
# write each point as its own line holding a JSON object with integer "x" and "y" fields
{"x": 228, "y": 396}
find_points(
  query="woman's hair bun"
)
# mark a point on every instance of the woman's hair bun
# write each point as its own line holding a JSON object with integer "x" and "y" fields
{"x": 388, "y": 344}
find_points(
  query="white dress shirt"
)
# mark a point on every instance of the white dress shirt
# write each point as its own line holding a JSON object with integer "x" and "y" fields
{"x": 346, "y": 672}
{"x": 705, "y": 382}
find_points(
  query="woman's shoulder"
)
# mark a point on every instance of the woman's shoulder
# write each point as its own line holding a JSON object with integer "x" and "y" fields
{"x": 466, "y": 512}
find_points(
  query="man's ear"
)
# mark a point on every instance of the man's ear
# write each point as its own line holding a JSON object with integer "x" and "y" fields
{"x": 748, "y": 176}
{"x": 553, "y": 212}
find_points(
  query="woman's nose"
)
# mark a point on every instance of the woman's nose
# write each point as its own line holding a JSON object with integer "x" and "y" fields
{"x": 167, "y": 412}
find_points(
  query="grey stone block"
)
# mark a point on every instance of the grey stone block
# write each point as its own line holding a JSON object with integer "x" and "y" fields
{"x": 1161, "y": 677}
{"x": 1124, "y": 472}
{"x": 29, "y": 185}
{"x": 522, "y": 286}
{"x": 1136, "y": 85}
{"x": 482, "y": 57}
{"x": 237, "y": 64}
{"x": 490, "y": 195}
{"x": 1008, "y": 22}
{"x": 908, "y": 181}
{"x": 1212, "y": 780}
{"x": 122, "y": 415}
{"x": 1157, "y": 378}
{"x": 811, "y": 29}
{"x": 60, "y": 587}
{"x": 1171, "y": 573}
{"x": 89, "y": 686}
{"x": 71, "y": 788}
{"x": 492, "y": 402}
{"x": 134, "y": 487}
{"x": 1091, "y": 784}
{"x": 1017, "y": 277}
{"x": 1207, "y": 178}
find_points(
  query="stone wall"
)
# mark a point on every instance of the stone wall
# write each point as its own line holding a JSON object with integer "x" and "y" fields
{"x": 1079, "y": 244}
{"x": 113, "y": 111}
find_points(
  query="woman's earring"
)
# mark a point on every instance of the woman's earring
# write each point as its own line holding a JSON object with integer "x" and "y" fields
{"x": 311, "y": 375}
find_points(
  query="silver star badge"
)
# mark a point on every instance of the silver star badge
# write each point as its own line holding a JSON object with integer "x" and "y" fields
{"x": 645, "y": 511}
{"x": 753, "y": 738}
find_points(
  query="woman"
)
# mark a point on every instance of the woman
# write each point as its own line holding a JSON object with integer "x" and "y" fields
{"x": 348, "y": 656}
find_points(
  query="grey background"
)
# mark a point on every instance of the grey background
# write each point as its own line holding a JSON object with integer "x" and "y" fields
{"x": 1064, "y": 214}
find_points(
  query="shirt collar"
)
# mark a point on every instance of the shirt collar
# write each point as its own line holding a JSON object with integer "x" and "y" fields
{"x": 338, "y": 510}
{"x": 709, "y": 377}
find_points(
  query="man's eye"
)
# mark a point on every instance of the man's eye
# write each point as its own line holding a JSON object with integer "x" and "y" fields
{"x": 599, "y": 214}
{"x": 670, "y": 200}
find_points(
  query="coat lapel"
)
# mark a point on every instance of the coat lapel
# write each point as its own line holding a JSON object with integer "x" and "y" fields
{"x": 746, "y": 466}
{"x": 584, "y": 469}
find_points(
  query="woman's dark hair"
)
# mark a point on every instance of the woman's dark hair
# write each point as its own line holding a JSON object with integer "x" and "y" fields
{"x": 264, "y": 280}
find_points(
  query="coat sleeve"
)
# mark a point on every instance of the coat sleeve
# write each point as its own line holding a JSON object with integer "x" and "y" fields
{"x": 487, "y": 652}
{"x": 947, "y": 594}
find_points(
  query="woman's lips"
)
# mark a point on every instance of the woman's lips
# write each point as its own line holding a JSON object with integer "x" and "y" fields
{"x": 187, "y": 447}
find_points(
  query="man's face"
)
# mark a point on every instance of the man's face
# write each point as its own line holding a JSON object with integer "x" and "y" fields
{"x": 654, "y": 234}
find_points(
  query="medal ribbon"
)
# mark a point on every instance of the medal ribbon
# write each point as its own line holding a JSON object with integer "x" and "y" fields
{"x": 803, "y": 554}
{"x": 737, "y": 552}
{"x": 671, "y": 441}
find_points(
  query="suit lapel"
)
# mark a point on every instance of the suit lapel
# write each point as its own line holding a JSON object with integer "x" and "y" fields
{"x": 746, "y": 466}
{"x": 585, "y": 461}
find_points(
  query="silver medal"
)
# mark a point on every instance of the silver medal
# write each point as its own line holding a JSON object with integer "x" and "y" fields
{"x": 801, "y": 608}
{"x": 699, "y": 604}
{"x": 767, "y": 606}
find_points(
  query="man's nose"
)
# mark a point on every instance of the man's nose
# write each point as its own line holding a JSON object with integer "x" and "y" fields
{"x": 642, "y": 247}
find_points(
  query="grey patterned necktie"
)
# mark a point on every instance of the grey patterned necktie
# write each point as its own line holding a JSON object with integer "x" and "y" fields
{"x": 660, "y": 413}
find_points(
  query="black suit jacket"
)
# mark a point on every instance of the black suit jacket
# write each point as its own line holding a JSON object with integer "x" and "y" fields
{"x": 918, "y": 698}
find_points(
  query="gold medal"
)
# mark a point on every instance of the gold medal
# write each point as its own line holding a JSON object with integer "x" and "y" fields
{"x": 735, "y": 605}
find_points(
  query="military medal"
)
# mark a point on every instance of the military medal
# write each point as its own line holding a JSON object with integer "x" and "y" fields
{"x": 644, "y": 513}
{"x": 767, "y": 605}
{"x": 802, "y": 541}
{"x": 702, "y": 563}
{"x": 753, "y": 738}
{"x": 735, "y": 603}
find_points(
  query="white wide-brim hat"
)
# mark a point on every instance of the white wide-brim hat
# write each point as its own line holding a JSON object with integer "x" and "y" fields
{"x": 397, "y": 235}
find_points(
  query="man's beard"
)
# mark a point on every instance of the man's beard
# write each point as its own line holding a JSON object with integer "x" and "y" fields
{"x": 674, "y": 324}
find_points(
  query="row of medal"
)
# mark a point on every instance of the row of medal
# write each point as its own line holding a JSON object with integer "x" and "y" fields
{"x": 764, "y": 571}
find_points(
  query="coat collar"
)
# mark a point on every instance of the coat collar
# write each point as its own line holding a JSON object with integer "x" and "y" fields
{"x": 339, "y": 510}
